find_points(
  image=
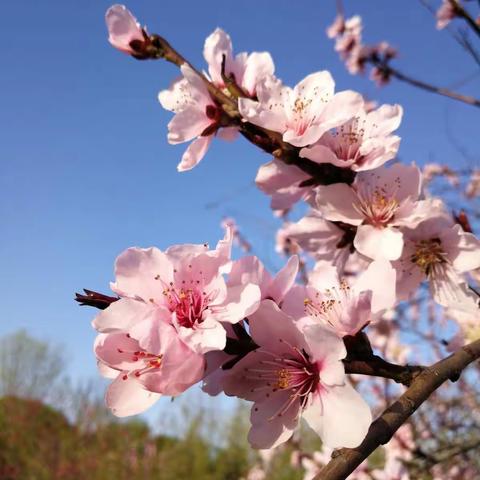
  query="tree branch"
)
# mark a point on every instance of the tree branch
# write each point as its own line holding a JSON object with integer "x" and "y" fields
{"x": 389, "y": 71}
{"x": 463, "y": 13}
{"x": 382, "y": 429}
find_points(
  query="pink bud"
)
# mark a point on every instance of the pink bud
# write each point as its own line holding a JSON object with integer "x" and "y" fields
{"x": 123, "y": 29}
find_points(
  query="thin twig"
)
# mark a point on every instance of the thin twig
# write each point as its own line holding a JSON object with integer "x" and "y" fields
{"x": 389, "y": 71}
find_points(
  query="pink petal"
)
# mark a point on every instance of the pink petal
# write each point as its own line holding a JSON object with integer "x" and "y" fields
{"x": 379, "y": 242}
{"x": 216, "y": 45}
{"x": 129, "y": 397}
{"x": 209, "y": 335}
{"x": 271, "y": 328}
{"x": 340, "y": 417}
{"x": 380, "y": 278}
{"x": 325, "y": 346}
{"x": 142, "y": 272}
{"x": 337, "y": 203}
{"x": 187, "y": 125}
{"x": 241, "y": 301}
{"x": 122, "y": 28}
{"x": 194, "y": 153}
{"x": 323, "y": 154}
{"x": 284, "y": 280}
{"x": 258, "y": 66}
{"x": 121, "y": 315}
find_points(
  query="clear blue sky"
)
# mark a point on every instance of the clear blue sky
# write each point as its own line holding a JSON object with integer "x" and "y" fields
{"x": 85, "y": 167}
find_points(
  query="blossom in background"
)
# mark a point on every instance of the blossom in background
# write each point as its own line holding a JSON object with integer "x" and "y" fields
{"x": 302, "y": 114}
{"x": 439, "y": 251}
{"x": 473, "y": 187}
{"x": 362, "y": 143}
{"x": 294, "y": 374}
{"x": 445, "y": 14}
{"x": 247, "y": 69}
{"x": 347, "y": 34}
{"x": 125, "y": 33}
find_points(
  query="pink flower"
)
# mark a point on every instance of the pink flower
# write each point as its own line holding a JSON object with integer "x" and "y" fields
{"x": 378, "y": 202}
{"x": 364, "y": 142}
{"x": 440, "y": 252}
{"x": 445, "y": 14}
{"x": 251, "y": 270}
{"x": 197, "y": 117}
{"x": 247, "y": 70}
{"x": 187, "y": 281}
{"x": 350, "y": 38}
{"x": 293, "y": 374}
{"x": 283, "y": 183}
{"x": 302, "y": 114}
{"x": 145, "y": 355}
{"x": 330, "y": 302}
{"x": 125, "y": 33}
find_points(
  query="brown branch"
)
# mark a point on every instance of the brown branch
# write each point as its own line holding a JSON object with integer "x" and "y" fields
{"x": 376, "y": 366}
{"x": 383, "y": 428}
{"x": 389, "y": 71}
{"x": 463, "y": 13}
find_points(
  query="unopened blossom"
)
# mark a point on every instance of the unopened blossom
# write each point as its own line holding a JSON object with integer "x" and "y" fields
{"x": 292, "y": 375}
{"x": 433, "y": 170}
{"x": 330, "y": 302}
{"x": 246, "y": 69}
{"x": 125, "y": 33}
{"x": 439, "y": 251}
{"x": 364, "y": 142}
{"x": 445, "y": 14}
{"x": 187, "y": 281}
{"x": 302, "y": 114}
{"x": 143, "y": 354}
{"x": 197, "y": 117}
{"x": 378, "y": 203}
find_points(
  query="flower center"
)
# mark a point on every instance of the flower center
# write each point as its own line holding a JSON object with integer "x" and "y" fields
{"x": 429, "y": 256}
{"x": 188, "y": 305}
{"x": 349, "y": 138}
{"x": 147, "y": 362}
{"x": 293, "y": 372}
{"x": 378, "y": 206}
{"x": 329, "y": 308}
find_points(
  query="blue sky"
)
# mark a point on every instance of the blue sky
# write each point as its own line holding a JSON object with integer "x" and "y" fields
{"x": 85, "y": 167}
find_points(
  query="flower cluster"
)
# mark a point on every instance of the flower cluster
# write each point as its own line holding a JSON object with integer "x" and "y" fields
{"x": 192, "y": 314}
{"x": 356, "y": 55}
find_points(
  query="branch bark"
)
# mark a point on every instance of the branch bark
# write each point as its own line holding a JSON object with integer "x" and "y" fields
{"x": 382, "y": 429}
